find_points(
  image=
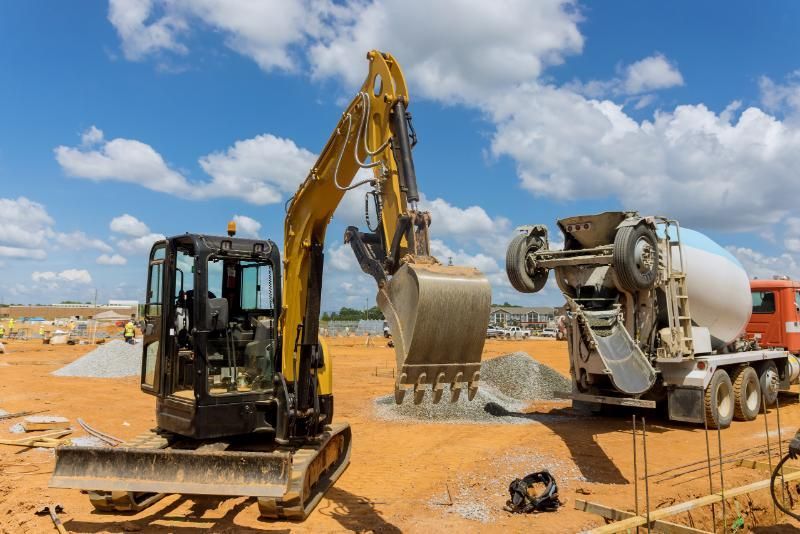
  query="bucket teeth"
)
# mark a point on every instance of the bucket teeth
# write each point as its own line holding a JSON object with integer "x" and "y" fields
{"x": 455, "y": 392}
{"x": 472, "y": 387}
{"x": 438, "y": 388}
{"x": 419, "y": 388}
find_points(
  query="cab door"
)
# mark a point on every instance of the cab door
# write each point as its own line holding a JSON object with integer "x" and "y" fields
{"x": 153, "y": 311}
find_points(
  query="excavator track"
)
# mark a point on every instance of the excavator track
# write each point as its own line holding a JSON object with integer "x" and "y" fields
{"x": 288, "y": 481}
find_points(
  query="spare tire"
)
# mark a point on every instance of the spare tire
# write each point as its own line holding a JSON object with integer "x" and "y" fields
{"x": 635, "y": 257}
{"x": 517, "y": 269}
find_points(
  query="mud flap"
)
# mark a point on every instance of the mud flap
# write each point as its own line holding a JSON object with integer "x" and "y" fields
{"x": 438, "y": 317}
{"x": 626, "y": 365}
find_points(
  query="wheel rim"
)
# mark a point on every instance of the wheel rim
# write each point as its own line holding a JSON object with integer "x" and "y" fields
{"x": 643, "y": 255}
{"x": 771, "y": 381}
{"x": 724, "y": 403}
{"x": 751, "y": 395}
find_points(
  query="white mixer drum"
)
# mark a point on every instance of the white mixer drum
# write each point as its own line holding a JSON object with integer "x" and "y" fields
{"x": 718, "y": 286}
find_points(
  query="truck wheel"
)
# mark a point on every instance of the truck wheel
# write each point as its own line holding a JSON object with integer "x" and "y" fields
{"x": 719, "y": 400}
{"x": 517, "y": 268}
{"x": 747, "y": 393}
{"x": 635, "y": 257}
{"x": 770, "y": 381}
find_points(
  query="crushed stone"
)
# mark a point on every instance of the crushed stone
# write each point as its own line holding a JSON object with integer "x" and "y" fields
{"x": 508, "y": 385}
{"x": 88, "y": 441}
{"x": 16, "y": 428}
{"x": 46, "y": 419}
{"x": 114, "y": 359}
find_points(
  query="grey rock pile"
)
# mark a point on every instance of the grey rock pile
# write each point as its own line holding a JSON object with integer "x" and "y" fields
{"x": 508, "y": 385}
{"x": 114, "y": 359}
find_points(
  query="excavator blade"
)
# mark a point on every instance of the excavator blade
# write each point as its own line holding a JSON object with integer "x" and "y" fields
{"x": 288, "y": 481}
{"x": 438, "y": 316}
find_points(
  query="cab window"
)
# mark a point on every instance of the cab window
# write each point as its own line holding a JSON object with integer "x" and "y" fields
{"x": 763, "y": 302}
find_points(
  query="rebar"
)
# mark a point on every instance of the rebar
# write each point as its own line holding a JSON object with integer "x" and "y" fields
{"x": 769, "y": 452}
{"x": 646, "y": 481}
{"x": 710, "y": 482}
{"x": 721, "y": 479}
{"x": 635, "y": 474}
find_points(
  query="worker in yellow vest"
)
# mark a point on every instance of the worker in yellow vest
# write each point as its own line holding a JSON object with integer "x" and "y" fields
{"x": 10, "y": 326}
{"x": 41, "y": 331}
{"x": 2, "y": 331}
{"x": 130, "y": 331}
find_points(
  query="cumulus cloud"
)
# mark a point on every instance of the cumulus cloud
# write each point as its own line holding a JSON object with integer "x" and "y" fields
{"x": 246, "y": 227}
{"x": 453, "y": 48}
{"x": 764, "y": 266}
{"x": 79, "y": 240}
{"x": 652, "y": 73}
{"x": 139, "y": 245}
{"x": 111, "y": 259}
{"x": 689, "y": 163}
{"x": 258, "y": 170}
{"x": 128, "y": 225}
{"x": 70, "y": 276}
{"x": 781, "y": 97}
{"x": 265, "y": 30}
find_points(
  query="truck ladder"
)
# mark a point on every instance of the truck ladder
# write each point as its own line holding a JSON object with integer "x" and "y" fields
{"x": 678, "y": 313}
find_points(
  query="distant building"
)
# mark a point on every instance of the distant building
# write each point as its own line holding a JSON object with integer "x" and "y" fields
{"x": 67, "y": 311}
{"x": 536, "y": 317}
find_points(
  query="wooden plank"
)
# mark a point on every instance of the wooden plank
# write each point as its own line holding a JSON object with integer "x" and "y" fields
{"x": 619, "y": 401}
{"x": 764, "y": 466}
{"x": 615, "y": 514}
{"x": 660, "y": 513}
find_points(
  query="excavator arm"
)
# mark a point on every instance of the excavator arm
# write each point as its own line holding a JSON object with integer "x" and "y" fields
{"x": 437, "y": 314}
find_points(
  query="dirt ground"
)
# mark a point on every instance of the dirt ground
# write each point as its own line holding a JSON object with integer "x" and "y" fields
{"x": 403, "y": 477}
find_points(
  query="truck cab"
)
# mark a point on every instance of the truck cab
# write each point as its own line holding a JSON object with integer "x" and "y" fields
{"x": 775, "y": 321}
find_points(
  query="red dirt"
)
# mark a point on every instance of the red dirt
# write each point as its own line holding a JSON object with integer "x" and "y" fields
{"x": 403, "y": 477}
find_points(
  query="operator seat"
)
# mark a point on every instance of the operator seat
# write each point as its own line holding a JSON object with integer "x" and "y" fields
{"x": 259, "y": 352}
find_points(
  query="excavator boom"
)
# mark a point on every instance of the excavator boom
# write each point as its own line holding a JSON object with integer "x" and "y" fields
{"x": 437, "y": 314}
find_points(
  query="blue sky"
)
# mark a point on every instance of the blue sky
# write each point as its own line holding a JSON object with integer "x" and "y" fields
{"x": 127, "y": 120}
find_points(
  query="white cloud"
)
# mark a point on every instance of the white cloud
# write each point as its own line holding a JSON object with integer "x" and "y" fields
{"x": 764, "y": 266}
{"x": 139, "y": 37}
{"x": 781, "y": 97}
{"x": 92, "y": 136}
{"x": 649, "y": 74}
{"x": 246, "y": 227}
{"x": 21, "y": 253}
{"x": 341, "y": 258}
{"x": 451, "y": 48}
{"x": 138, "y": 245}
{"x": 652, "y": 73}
{"x": 72, "y": 276}
{"x": 689, "y": 163}
{"x": 258, "y": 170}
{"x": 128, "y": 225}
{"x": 79, "y": 240}
{"x": 113, "y": 259}
{"x": 264, "y": 31}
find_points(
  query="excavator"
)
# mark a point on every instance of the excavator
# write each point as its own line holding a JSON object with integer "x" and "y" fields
{"x": 231, "y": 339}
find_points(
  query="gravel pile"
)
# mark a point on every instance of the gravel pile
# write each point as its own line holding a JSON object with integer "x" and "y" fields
{"x": 508, "y": 385}
{"x": 112, "y": 360}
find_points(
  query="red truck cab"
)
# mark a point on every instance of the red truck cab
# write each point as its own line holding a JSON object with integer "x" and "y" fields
{"x": 775, "y": 321}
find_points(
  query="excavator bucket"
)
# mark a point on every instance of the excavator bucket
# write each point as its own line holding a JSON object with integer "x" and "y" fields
{"x": 288, "y": 482}
{"x": 438, "y": 317}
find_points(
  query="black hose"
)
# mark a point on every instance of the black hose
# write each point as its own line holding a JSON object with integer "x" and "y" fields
{"x": 775, "y": 474}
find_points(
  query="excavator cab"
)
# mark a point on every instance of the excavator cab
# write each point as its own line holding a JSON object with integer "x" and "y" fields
{"x": 210, "y": 336}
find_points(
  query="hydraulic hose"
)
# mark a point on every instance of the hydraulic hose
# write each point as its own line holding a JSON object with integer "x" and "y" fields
{"x": 775, "y": 474}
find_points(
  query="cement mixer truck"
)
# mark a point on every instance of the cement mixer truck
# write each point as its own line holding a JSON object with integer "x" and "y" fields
{"x": 655, "y": 316}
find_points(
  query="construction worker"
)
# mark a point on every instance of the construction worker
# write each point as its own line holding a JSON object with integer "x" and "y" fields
{"x": 2, "y": 331}
{"x": 10, "y": 326}
{"x": 41, "y": 331}
{"x": 130, "y": 331}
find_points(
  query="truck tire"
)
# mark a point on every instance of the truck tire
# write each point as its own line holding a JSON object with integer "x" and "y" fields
{"x": 746, "y": 393}
{"x": 516, "y": 267}
{"x": 769, "y": 378}
{"x": 719, "y": 400}
{"x": 635, "y": 257}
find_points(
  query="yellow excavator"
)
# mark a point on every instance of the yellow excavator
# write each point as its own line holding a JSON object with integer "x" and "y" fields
{"x": 231, "y": 344}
